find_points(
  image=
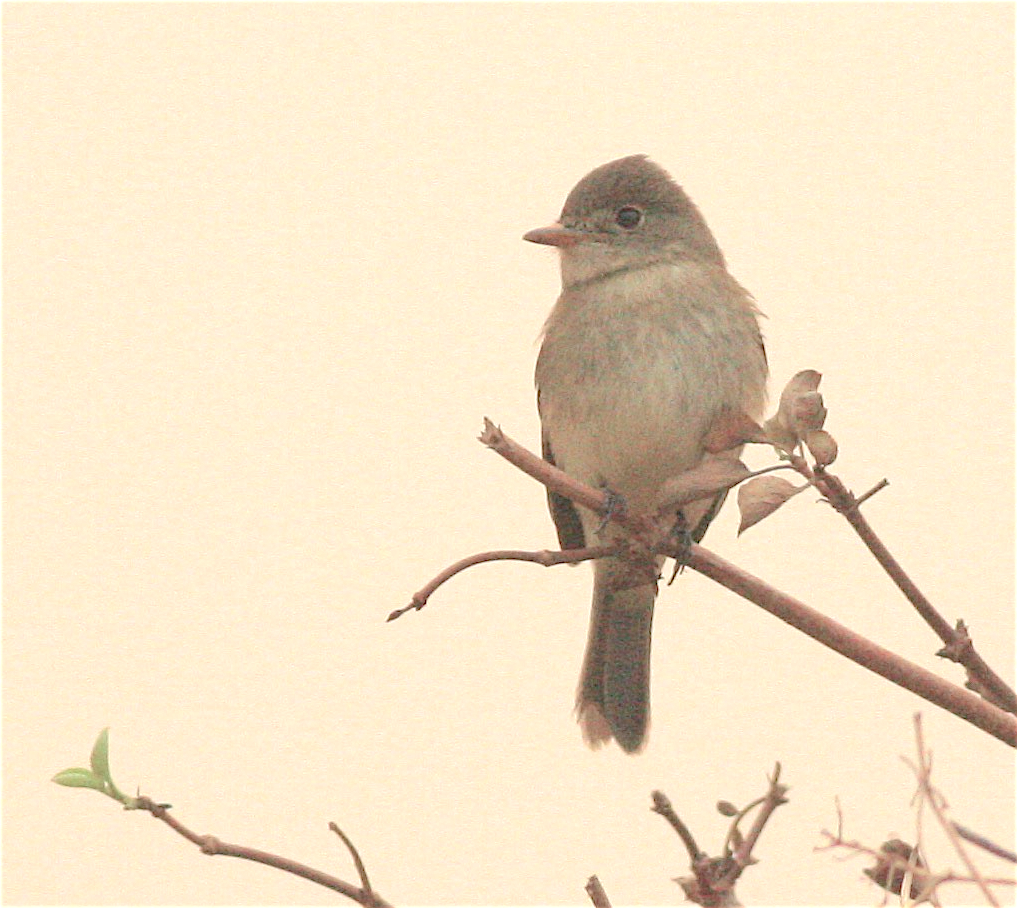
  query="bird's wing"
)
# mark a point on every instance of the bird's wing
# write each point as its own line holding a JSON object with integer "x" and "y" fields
{"x": 563, "y": 512}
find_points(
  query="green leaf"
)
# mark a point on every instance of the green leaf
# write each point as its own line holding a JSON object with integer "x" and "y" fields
{"x": 100, "y": 756}
{"x": 79, "y": 778}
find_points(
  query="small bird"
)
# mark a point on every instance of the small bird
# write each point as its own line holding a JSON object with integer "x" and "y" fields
{"x": 650, "y": 342}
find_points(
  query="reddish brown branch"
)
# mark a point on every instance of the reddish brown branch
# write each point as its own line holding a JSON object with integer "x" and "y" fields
{"x": 712, "y": 883}
{"x": 596, "y": 892}
{"x": 923, "y": 772}
{"x": 959, "y": 647}
{"x": 662, "y": 805}
{"x": 365, "y": 881}
{"x": 979, "y": 712}
{"x": 897, "y": 861}
{"x": 211, "y": 845}
{"x": 775, "y": 796}
{"x": 545, "y": 557}
{"x": 869, "y": 655}
{"x": 556, "y": 480}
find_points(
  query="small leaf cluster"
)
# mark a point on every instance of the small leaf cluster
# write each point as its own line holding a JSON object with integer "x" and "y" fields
{"x": 795, "y": 428}
{"x": 98, "y": 775}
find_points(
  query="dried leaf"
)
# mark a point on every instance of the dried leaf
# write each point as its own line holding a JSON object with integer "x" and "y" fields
{"x": 808, "y": 412}
{"x": 891, "y": 867}
{"x": 713, "y": 475}
{"x": 822, "y": 446}
{"x": 731, "y": 430}
{"x": 805, "y": 381}
{"x": 778, "y": 435}
{"x": 760, "y": 497}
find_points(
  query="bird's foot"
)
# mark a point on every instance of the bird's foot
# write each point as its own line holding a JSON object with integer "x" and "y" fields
{"x": 682, "y": 537}
{"x": 614, "y": 504}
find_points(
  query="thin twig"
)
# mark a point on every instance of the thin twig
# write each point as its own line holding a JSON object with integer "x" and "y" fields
{"x": 894, "y": 862}
{"x": 879, "y": 486}
{"x": 775, "y": 796}
{"x": 924, "y": 774}
{"x": 982, "y": 842}
{"x": 662, "y": 805}
{"x": 545, "y": 557}
{"x": 209, "y": 844}
{"x": 596, "y": 892}
{"x": 361, "y": 869}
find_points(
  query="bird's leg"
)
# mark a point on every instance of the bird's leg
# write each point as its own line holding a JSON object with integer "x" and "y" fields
{"x": 682, "y": 538}
{"x": 613, "y": 506}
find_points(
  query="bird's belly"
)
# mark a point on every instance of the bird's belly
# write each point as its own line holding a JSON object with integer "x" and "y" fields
{"x": 629, "y": 433}
{"x": 632, "y": 377}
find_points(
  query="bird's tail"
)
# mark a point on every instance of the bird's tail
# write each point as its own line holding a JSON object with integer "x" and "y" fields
{"x": 613, "y": 700}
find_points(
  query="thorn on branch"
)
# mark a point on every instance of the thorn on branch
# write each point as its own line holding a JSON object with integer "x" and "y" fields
{"x": 879, "y": 486}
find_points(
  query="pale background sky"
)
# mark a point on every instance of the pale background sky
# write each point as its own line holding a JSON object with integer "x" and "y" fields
{"x": 263, "y": 279}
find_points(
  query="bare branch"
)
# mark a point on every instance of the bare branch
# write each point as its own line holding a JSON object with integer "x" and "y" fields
{"x": 545, "y": 557}
{"x": 775, "y": 796}
{"x": 890, "y": 865}
{"x": 878, "y": 487}
{"x": 596, "y": 892}
{"x": 973, "y": 709}
{"x": 901, "y": 867}
{"x": 712, "y": 883}
{"x": 959, "y": 647}
{"x": 556, "y": 480}
{"x": 211, "y": 845}
{"x": 869, "y": 655}
{"x": 935, "y": 800}
{"x": 981, "y": 841}
{"x": 361, "y": 869}
{"x": 662, "y": 805}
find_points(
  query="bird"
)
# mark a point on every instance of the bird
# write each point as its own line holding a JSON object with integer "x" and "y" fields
{"x": 650, "y": 342}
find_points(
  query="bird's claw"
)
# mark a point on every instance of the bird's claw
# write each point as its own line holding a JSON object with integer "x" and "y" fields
{"x": 682, "y": 536}
{"x": 614, "y": 504}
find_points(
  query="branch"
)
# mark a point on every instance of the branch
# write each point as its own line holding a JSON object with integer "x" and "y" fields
{"x": 923, "y": 772}
{"x": 857, "y": 648}
{"x": 596, "y": 892}
{"x": 545, "y": 557}
{"x": 712, "y": 883}
{"x": 775, "y": 796}
{"x": 900, "y": 671}
{"x": 959, "y": 647}
{"x": 365, "y": 882}
{"x": 900, "y": 866}
{"x": 211, "y": 845}
{"x": 662, "y": 805}
{"x": 976, "y": 838}
{"x": 797, "y": 427}
{"x": 558, "y": 481}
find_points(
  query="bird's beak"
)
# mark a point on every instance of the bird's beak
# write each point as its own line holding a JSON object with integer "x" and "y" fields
{"x": 556, "y": 235}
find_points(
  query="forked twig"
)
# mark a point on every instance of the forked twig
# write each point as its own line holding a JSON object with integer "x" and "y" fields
{"x": 211, "y": 845}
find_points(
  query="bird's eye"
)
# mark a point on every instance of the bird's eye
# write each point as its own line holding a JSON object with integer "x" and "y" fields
{"x": 628, "y": 217}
